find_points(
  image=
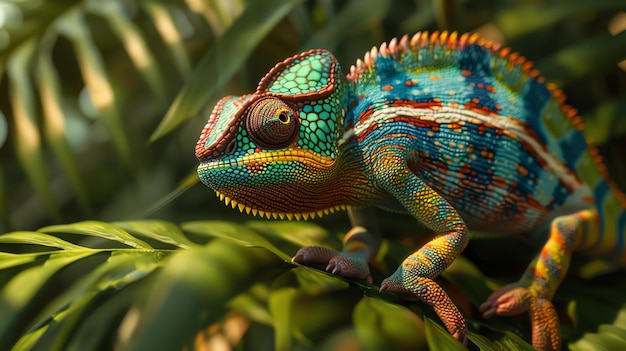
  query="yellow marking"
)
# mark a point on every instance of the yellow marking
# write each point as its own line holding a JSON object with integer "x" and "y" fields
{"x": 307, "y": 157}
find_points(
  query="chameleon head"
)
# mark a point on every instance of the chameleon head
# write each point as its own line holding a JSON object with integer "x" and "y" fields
{"x": 275, "y": 151}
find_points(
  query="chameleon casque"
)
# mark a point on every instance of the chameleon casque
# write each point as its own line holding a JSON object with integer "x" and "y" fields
{"x": 452, "y": 129}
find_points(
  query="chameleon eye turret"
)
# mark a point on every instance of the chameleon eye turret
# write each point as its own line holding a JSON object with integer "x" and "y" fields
{"x": 271, "y": 123}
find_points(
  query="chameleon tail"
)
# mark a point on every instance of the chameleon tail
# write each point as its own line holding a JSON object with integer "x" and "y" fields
{"x": 606, "y": 238}
{"x": 611, "y": 232}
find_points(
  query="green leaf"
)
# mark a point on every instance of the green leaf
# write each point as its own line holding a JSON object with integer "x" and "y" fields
{"x": 232, "y": 231}
{"x": 165, "y": 232}
{"x": 74, "y": 311}
{"x": 165, "y": 24}
{"x": 8, "y": 260}
{"x": 280, "y": 304}
{"x": 20, "y": 298}
{"x": 223, "y": 60}
{"x": 54, "y": 113}
{"x": 308, "y": 314}
{"x": 102, "y": 93}
{"x": 100, "y": 229}
{"x": 439, "y": 339}
{"x": 383, "y": 325}
{"x": 27, "y": 136}
{"x": 36, "y": 238}
{"x": 295, "y": 233}
{"x": 136, "y": 47}
{"x": 193, "y": 289}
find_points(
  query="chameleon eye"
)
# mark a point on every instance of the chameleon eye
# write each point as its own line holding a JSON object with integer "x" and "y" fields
{"x": 271, "y": 123}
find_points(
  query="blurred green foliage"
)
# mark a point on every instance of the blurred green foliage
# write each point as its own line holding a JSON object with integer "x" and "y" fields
{"x": 101, "y": 105}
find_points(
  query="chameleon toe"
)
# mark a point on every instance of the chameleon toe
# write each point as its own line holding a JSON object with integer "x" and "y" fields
{"x": 314, "y": 256}
{"x": 338, "y": 263}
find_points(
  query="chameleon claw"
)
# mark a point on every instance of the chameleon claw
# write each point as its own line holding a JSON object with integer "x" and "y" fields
{"x": 514, "y": 299}
{"x": 334, "y": 262}
{"x": 510, "y": 300}
{"x": 430, "y": 293}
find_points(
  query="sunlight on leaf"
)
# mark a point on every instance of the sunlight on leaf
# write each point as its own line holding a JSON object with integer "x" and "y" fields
{"x": 162, "y": 231}
{"x": 97, "y": 81}
{"x": 54, "y": 114}
{"x": 298, "y": 233}
{"x": 28, "y": 137}
{"x": 8, "y": 260}
{"x": 166, "y": 26}
{"x": 232, "y": 231}
{"x": 101, "y": 229}
{"x": 36, "y": 238}
{"x": 136, "y": 47}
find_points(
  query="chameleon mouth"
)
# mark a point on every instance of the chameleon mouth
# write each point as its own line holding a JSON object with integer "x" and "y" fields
{"x": 276, "y": 215}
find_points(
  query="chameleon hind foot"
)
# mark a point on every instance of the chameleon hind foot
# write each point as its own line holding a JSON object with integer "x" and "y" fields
{"x": 514, "y": 299}
{"x": 338, "y": 263}
{"x": 429, "y": 292}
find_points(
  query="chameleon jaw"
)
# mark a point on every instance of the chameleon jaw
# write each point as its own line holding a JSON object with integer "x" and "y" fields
{"x": 276, "y": 215}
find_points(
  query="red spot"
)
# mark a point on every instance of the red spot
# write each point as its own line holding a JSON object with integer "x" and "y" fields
{"x": 387, "y": 87}
{"x": 466, "y": 72}
{"x": 491, "y": 88}
{"x": 434, "y": 103}
{"x": 499, "y": 182}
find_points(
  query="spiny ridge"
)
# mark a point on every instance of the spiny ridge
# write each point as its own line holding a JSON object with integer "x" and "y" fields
{"x": 454, "y": 41}
{"x": 276, "y": 215}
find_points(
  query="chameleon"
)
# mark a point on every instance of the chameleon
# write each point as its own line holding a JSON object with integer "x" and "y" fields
{"x": 457, "y": 131}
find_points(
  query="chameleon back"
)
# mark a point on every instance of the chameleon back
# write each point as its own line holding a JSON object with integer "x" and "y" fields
{"x": 483, "y": 129}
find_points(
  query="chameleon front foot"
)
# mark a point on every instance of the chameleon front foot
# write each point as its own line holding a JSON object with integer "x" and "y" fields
{"x": 514, "y": 299}
{"x": 429, "y": 292}
{"x": 338, "y": 263}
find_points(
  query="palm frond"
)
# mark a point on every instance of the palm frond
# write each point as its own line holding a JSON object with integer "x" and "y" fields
{"x": 129, "y": 281}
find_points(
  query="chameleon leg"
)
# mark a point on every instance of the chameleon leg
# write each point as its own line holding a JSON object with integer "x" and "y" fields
{"x": 414, "y": 278}
{"x": 537, "y": 286}
{"x": 360, "y": 245}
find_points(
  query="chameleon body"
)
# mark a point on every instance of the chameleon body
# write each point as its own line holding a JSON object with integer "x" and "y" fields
{"x": 451, "y": 129}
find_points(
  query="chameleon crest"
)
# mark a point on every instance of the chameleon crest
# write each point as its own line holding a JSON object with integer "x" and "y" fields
{"x": 451, "y": 129}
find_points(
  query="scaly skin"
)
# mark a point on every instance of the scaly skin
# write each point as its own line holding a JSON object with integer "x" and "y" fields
{"x": 453, "y": 130}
